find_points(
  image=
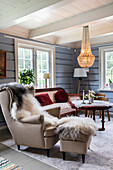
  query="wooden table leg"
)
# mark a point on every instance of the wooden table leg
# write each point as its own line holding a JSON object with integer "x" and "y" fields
{"x": 108, "y": 114}
{"x": 102, "y": 129}
{"x": 85, "y": 113}
{"x": 94, "y": 115}
{"x": 76, "y": 113}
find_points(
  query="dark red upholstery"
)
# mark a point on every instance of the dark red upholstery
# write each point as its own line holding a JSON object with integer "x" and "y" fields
{"x": 61, "y": 96}
{"x": 44, "y": 99}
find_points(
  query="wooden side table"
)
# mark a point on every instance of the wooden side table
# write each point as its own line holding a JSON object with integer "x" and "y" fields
{"x": 92, "y": 107}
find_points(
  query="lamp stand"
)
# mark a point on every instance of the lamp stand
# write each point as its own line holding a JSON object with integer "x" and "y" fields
{"x": 46, "y": 83}
{"x": 78, "y": 89}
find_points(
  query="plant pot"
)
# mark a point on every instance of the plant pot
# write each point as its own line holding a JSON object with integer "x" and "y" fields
{"x": 111, "y": 86}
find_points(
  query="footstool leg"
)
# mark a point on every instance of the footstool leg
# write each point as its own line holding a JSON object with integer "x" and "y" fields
{"x": 48, "y": 152}
{"x": 83, "y": 158}
{"x": 64, "y": 155}
{"x": 18, "y": 146}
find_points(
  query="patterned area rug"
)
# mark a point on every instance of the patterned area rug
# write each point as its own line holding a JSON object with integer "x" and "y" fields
{"x": 5, "y": 164}
{"x": 99, "y": 157}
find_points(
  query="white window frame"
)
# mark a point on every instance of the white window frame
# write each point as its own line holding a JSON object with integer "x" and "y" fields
{"x": 102, "y": 63}
{"x": 37, "y": 46}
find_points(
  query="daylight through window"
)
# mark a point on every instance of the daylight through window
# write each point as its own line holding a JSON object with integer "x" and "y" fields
{"x": 39, "y": 60}
{"x": 106, "y": 67}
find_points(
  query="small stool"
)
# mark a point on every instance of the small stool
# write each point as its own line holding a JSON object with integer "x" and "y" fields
{"x": 75, "y": 147}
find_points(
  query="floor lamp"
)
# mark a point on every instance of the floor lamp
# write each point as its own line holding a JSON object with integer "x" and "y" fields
{"x": 80, "y": 73}
{"x": 46, "y": 76}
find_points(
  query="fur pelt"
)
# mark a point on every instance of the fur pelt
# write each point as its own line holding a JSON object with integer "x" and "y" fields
{"x": 18, "y": 91}
{"x": 32, "y": 107}
{"x": 76, "y": 128}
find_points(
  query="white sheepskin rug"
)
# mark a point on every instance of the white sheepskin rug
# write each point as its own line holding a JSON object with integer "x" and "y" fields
{"x": 76, "y": 128}
{"x": 73, "y": 128}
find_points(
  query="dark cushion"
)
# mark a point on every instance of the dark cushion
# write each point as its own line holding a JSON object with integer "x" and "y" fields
{"x": 44, "y": 99}
{"x": 61, "y": 96}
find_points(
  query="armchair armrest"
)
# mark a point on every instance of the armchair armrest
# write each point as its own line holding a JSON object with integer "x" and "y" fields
{"x": 35, "y": 119}
{"x": 54, "y": 112}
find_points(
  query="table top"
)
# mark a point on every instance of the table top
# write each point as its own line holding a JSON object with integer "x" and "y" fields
{"x": 95, "y": 104}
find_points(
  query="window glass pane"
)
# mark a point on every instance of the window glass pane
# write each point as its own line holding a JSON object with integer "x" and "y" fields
{"x": 25, "y": 58}
{"x": 42, "y": 67}
{"x": 39, "y": 83}
{"x": 20, "y": 64}
{"x": 109, "y": 64}
{"x": 44, "y": 71}
{"x": 43, "y": 83}
{"x": 27, "y": 54}
{"x": 38, "y": 55}
{"x": 108, "y": 67}
{"x": 20, "y": 52}
{"x": 38, "y": 64}
{"x": 38, "y": 70}
{"x": 28, "y": 64}
{"x": 109, "y": 55}
{"x": 44, "y": 55}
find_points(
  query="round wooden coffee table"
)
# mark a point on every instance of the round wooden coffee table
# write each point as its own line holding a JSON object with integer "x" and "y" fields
{"x": 96, "y": 105}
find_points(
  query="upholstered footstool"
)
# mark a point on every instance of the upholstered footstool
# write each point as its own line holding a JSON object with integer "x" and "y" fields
{"x": 75, "y": 146}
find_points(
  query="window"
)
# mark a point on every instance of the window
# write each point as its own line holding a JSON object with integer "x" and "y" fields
{"x": 38, "y": 58}
{"x": 106, "y": 66}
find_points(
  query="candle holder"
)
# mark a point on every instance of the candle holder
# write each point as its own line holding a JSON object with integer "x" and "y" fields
{"x": 83, "y": 97}
{"x": 89, "y": 102}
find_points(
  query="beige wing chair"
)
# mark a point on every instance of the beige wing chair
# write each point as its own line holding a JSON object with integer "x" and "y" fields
{"x": 29, "y": 131}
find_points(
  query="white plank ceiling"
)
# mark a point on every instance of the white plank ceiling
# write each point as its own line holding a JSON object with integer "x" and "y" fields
{"x": 58, "y": 21}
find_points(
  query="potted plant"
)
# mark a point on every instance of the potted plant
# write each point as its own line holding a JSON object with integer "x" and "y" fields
{"x": 110, "y": 84}
{"x": 27, "y": 77}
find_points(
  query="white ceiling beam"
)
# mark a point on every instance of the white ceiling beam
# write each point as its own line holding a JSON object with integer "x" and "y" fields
{"x": 23, "y": 11}
{"x": 73, "y": 21}
{"x": 95, "y": 31}
{"x": 94, "y": 41}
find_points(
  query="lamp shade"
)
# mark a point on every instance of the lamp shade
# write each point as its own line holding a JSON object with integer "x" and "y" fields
{"x": 46, "y": 75}
{"x": 79, "y": 72}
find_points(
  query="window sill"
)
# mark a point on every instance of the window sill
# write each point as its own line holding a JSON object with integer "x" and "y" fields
{"x": 109, "y": 90}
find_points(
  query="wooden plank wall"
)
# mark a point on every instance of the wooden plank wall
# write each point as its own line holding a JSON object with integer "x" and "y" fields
{"x": 7, "y": 44}
{"x": 64, "y": 68}
{"x": 92, "y": 80}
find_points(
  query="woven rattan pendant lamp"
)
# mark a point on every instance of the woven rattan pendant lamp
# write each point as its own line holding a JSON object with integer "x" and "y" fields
{"x": 86, "y": 58}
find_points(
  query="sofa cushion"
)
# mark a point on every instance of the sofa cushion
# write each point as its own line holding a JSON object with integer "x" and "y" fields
{"x": 61, "y": 96}
{"x": 50, "y": 131}
{"x": 44, "y": 99}
{"x": 50, "y": 93}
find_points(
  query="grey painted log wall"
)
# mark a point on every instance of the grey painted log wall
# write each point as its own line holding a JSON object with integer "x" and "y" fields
{"x": 64, "y": 68}
{"x": 92, "y": 80}
{"x": 7, "y": 44}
